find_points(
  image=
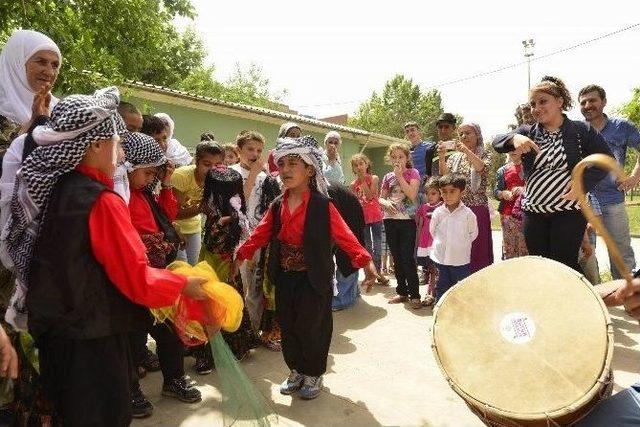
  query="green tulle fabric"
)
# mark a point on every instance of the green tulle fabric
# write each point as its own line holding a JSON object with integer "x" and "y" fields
{"x": 242, "y": 403}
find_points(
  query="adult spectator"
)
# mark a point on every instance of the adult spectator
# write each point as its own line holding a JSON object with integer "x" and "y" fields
{"x": 176, "y": 152}
{"x": 619, "y": 134}
{"x": 287, "y": 130}
{"x": 472, "y": 161}
{"x": 421, "y": 151}
{"x": 333, "y": 168}
{"x": 131, "y": 115}
{"x": 553, "y": 224}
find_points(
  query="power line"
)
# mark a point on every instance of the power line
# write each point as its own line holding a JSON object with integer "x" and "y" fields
{"x": 497, "y": 70}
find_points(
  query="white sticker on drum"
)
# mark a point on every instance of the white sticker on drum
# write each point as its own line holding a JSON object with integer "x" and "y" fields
{"x": 517, "y": 328}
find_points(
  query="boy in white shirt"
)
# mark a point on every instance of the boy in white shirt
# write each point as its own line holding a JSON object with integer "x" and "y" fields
{"x": 454, "y": 228}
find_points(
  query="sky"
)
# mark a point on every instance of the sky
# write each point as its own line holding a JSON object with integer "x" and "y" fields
{"x": 331, "y": 55}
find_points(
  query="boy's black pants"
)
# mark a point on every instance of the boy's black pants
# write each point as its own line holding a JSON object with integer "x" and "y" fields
{"x": 88, "y": 380}
{"x": 306, "y": 322}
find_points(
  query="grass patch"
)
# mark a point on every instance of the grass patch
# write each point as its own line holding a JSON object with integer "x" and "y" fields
{"x": 634, "y": 219}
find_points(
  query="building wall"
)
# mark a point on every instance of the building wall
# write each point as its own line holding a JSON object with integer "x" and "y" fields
{"x": 191, "y": 122}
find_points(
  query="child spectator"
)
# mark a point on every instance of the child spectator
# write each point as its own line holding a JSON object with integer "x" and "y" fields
{"x": 454, "y": 228}
{"x": 365, "y": 187}
{"x": 397, "y": 197}
{"x": 230, "y": 154}
{"x": 151, "y": 216}
{"x": 300, "y": 229}
{"x": 509, "y": 190}
{"x": 425, "y": 239}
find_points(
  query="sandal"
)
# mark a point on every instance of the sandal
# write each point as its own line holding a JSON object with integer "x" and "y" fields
{"x": 398, "y": 299}
{"x": 383, "y": 281}
{"x": 416, "y": 304}
{"x": 428, "y": 301}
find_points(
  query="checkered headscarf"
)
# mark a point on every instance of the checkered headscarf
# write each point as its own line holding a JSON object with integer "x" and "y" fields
{"x": 305, "y": 147}
{"x": 75, "y": 122}
{"x": 142, "y": 151}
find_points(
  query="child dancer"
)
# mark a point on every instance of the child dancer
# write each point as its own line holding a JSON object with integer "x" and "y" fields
{"x": 397, "y": 197}
{"x": 365, "y": 186}
{"x": 151, "y": 217}
{"x": 299, "y": 229}
{"x": 454, "y": 228}
{"x": 425, "y": 239}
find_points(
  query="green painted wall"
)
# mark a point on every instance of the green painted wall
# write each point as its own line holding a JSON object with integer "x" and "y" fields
{"x": 190, "y": 123}
{"x": 378, "y": 166}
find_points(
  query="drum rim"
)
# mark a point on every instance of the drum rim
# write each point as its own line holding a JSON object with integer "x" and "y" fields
{"x": 605, "y": 375}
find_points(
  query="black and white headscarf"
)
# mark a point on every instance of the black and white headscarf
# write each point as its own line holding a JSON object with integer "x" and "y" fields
{"x": 305, "y": 147}
{"x": 142, "y": 151}
{"x": 75, "y": 122}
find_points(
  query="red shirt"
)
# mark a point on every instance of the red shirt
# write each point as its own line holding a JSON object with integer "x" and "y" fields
{"x": 118, "y": 248}
{"x": 292, "y": 229}
{"x": 371, "y": 206}
{"x": 141, "y": 214}
{"x": 512, "y": 178}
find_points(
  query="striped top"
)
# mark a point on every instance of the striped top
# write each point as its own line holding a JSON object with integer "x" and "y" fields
{"x": 549, "y": 179}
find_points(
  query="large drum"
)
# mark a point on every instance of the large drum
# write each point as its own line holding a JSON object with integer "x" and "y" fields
{"x": 525, "y": 342}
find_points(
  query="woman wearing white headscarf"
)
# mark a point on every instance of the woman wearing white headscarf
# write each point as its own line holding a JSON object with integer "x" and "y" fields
{"x": 472, "y": 161}
{"x": 333, "y": 165}
{"x": 176, "y": 152}
{"x": 29, "y": 66}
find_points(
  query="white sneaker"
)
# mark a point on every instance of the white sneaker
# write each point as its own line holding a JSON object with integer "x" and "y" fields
{"x": 293, "y": 383}
{"x": 311, "y": 387}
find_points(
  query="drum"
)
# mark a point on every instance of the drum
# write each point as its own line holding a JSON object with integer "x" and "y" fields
{"x": 525, "y": 342}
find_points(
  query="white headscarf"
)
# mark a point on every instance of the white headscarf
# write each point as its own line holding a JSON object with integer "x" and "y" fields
{"x": 16, "y": 96}
{"x": 176, "y": 152}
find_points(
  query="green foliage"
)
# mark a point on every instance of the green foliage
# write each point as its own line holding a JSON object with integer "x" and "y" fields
{"x": 497, "y": 161}
{"x": 400, "y": 101}
{"x": 631, "y": 110}
{"x": 108, "y": 42}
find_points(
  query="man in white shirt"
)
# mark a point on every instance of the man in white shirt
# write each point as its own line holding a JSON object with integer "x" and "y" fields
{"x": 251, "y": 166}
{"x": 454, "y": 228}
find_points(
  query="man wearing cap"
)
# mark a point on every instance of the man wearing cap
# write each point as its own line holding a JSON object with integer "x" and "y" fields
{"x": 421, "y": 151}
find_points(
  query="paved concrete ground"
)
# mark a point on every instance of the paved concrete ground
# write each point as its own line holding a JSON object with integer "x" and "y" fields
{"x": 380, "y": 372}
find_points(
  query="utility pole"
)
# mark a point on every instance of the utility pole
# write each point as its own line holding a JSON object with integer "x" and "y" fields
{"x": 528, "y": 53}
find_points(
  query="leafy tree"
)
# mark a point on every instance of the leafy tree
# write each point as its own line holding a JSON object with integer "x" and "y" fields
{"x": 400, "y": 101}
{"x": 110, "y": 41}
{"x": 631, "y": 110}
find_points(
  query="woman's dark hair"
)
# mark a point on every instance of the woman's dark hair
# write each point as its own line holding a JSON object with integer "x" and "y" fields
{"x": 152, "y": 125}
{"x": 207, "y": 136}
{"x": 208, "y": 147}
{"x": 555, "y": 87}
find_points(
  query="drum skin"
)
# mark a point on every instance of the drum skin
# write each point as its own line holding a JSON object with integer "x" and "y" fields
{"x": 525, "y": 341}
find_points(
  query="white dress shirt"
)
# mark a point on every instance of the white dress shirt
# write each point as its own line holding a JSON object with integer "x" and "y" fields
{"x": 453, "y": 233}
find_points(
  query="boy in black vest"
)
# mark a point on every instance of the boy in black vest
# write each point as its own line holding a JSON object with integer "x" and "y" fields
{"x": 300, "y": 229}
{"x": 81, "y": 269}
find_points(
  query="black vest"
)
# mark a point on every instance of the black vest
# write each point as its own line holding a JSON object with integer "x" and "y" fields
{"x": 70, "y": 295}
{"x": 317, "y": 243}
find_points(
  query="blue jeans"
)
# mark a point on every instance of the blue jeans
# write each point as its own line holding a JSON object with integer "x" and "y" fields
{"x": 191, "y": 251}
{"x": 620, "y": 410}
{"x": 373, "y": 242}
{"x": 617, "y": 223}
{"x": 348, "y": 291}
{"x": 449, "y": 275}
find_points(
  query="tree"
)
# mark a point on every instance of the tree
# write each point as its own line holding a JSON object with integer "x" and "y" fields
{"x": 108, "y": 42}
{"x": 631, "y": 110}
{"x": 401, "y": 101}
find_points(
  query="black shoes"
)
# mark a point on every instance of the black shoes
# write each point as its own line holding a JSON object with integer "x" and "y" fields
{"x": 140, "y": 405}
{"x": 182, "y": 389}
{"x": 150, "y": 362}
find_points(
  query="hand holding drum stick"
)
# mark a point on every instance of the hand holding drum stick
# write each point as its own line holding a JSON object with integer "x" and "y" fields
{"x": 606, "y": 163}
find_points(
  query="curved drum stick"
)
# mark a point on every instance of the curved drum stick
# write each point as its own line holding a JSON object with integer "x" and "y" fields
{"x": 607, "y": 163}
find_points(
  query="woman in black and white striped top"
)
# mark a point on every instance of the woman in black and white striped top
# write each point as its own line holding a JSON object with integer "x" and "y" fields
{"x": 550, "y": 148}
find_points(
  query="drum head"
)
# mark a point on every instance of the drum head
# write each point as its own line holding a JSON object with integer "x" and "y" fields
{"x": 526, "y": 336}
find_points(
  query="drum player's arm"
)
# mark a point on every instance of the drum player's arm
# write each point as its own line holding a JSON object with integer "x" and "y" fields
{"x": 613, "y": 297}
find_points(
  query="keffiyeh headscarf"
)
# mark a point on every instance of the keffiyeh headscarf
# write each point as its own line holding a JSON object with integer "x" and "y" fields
{"x": 16, "y": 96}
{"x": 142, "y": 151}
{"x": 76, "y": 122}
{"x": 305, "y": 147}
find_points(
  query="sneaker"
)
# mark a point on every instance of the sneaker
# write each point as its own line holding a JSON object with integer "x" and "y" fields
{"x": 204, "y": 364}
{"x": 293, "y": 383}
{"x": 182, "y": 389}
{"x": 311, "y": 387}
{"x": 150, "y": 362}
{"x": 140, "y": 405}
{"x": 416, "y": 304}
{"x": 398, "y": 299}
